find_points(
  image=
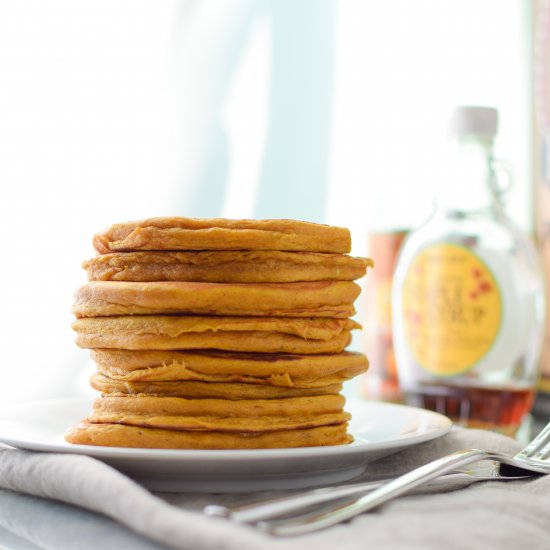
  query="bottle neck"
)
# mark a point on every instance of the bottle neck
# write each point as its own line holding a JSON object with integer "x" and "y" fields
{"x": 471, "y": 183}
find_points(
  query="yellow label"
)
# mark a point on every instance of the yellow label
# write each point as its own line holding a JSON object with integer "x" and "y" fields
{"x": 452, "y": 309}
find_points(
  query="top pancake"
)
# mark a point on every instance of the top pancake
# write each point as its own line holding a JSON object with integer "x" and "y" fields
{"x": 176, "y": 233}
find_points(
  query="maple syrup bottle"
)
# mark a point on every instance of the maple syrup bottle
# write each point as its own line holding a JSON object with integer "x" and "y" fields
{"x": 468, "y": 298}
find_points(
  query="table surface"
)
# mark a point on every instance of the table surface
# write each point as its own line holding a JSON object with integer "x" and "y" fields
{"x": 32, "y": 523}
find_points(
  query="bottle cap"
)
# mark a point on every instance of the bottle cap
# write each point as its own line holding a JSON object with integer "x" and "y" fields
{"x": 476, "y": 121}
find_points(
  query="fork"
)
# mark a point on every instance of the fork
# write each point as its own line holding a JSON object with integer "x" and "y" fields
{"x": 533, "y": 459}
{"x": 283, "y": 505}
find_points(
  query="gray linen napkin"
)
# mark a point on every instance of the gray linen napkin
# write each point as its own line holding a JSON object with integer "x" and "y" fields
{"x": 485, "y": 515}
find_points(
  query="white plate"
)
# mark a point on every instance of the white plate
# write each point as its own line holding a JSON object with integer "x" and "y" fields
{"x": 379, "y": 429}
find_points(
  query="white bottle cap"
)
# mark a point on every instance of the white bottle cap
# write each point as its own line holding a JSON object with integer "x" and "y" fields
{"x": 477, "y": 121}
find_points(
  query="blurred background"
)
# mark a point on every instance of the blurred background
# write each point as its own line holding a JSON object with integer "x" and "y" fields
{"x": 323, "y": 110}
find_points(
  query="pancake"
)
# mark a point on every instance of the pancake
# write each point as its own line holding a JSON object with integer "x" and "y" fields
{"x": 261, "y": 342}
{"x": 232, "y": 266}
{"x": 119, "y": 435}
{"x": 222, "y": 234}
{"x": 222, "y": 415}
{"x": 302, "y": 371}
{"x": 249, "y": 334}
{"x": 314, "y": 299}
{"x": 219, "y": 424}
{"x": 145, "y": 405}
{"x": 192, "y": 389}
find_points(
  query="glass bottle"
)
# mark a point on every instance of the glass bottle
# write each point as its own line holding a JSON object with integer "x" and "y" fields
{"x": 468, "y": 298}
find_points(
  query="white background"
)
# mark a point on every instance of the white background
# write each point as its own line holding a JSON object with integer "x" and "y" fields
{"x": 90, "y": 134}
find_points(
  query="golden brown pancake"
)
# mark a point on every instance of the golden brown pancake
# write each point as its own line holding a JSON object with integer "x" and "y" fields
{"x": 314, "y": 299}
{"x": 220, "y": 424}
{"x": 177, "y": 406}
{"x": 119, "y": 435}
{"x": 226, "y": 266}
{"x": 258, "y": 415}
{"x": 222, "y": 234}
{"x": 249, "y": 334}
{"x": 192, "y": 389}
{"x": 261, "y": 342}
{"x": 301, "y": 371}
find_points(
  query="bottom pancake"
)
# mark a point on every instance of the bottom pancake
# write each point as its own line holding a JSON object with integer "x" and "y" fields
{"x": 119, "y": 435}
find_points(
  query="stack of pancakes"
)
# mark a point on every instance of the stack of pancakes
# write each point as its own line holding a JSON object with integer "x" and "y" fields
{"x": 219, "y": 334}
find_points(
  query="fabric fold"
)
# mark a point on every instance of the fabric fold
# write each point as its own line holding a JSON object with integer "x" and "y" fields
{"x": 490, "y": 514}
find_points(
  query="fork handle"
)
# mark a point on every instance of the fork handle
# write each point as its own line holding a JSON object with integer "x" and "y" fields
{"x": 390, "y": 490}
{"x": 273, "y": 507}
{"x": 286, "y": 504}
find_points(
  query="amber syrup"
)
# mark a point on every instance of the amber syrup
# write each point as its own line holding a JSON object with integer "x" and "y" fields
{"x": 501, "y": 409}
